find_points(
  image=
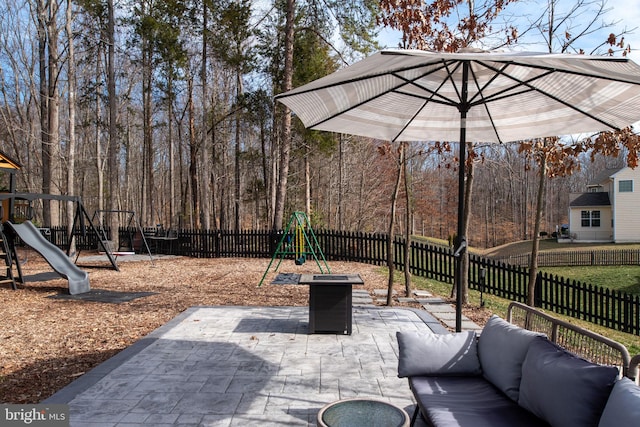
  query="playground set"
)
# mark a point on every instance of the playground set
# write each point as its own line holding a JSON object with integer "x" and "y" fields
{"x": 25, "y": 231}
{"x": 298, "y": 241}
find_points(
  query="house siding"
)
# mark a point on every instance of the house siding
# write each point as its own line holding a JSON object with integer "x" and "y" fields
{"x": 590, "y": 234}
{"x": 626, "y": 206}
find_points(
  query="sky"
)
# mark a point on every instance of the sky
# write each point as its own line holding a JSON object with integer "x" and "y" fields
{"x": 628, "y": 12}
{"x": 625, "y": 12}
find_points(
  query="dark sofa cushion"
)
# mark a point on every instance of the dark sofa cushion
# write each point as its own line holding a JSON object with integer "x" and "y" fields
{"x": 502, "y": 348}
{"x": 563, "y": 389}
{"x": 468, "y": 402}
{"x": 623, "y": 406}
{"x": 437, "y": 354}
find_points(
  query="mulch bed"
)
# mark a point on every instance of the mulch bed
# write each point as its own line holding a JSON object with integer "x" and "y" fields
{"x": 49, "y": 338}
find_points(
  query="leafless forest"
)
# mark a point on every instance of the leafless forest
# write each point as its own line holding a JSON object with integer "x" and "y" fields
{"x": 166, "y": 108}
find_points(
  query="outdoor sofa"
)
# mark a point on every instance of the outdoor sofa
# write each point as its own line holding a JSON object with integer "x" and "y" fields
{"x": 511, "y": 376}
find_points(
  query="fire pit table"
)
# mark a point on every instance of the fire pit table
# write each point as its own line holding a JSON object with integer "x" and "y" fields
{"x": 362, "y": 412}
{"x": 330, "y": 302}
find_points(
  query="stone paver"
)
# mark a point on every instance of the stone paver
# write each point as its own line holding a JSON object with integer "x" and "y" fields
{"x": 245, "y": 366}
{"x": 436, "y": 306}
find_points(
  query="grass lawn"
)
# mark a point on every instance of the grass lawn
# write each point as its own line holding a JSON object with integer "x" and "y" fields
{"x": 625, "y": 278}
{"x": 551, "y": 245}
{"x": 622, "y": 278}
{"x": 499, "y": 307}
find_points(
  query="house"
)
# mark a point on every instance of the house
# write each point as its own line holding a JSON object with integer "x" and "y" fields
{"x": 609, "y": 210}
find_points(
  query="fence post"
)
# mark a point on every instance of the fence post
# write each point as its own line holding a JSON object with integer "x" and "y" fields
{"x": 537, "y": 295}
{"x": 274, "y": 239}
{"x": 217, "y": 235}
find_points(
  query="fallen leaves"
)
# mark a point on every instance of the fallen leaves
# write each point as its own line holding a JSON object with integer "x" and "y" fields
{"x": 47, "y": 343}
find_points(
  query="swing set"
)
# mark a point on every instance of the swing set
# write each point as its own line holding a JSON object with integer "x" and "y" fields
{"x": 298, "y": 241}
{"x": 80, "y": 220}
{"x": 128, "y": 245}
{"x": 81, "y": 217}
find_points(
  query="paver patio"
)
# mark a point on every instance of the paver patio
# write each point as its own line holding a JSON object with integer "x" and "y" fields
{"x": 245, "y": 366}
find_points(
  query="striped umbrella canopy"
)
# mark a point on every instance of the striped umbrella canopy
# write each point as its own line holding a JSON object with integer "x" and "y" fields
{"x": 414, "y": 95}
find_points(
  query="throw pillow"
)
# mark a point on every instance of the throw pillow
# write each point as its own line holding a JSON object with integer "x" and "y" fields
{"x": 437, "y": 354}
{"x": 502, "y": 348}
{"x": 623, "y": 406}
{"x": 562, "y": 389}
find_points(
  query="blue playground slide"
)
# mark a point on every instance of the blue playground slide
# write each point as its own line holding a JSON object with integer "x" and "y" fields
{"x": 29, "y": 234}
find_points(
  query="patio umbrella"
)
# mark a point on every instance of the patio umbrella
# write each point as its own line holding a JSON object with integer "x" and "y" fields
{"x": 413, "y": 95}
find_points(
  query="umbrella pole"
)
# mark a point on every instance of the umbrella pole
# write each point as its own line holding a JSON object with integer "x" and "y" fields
{"x": 462, "y": 240}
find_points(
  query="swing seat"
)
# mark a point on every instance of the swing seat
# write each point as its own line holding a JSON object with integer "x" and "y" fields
{"x": 300, "y": 260}
{"x": 118, "y": 253}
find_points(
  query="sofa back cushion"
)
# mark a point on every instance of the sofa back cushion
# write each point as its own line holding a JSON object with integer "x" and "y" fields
{"x": 623, "y": 406}
{"x": 502, "y": 348}
{"x": 437, "y": 354}
{"x": 562, "y": 389}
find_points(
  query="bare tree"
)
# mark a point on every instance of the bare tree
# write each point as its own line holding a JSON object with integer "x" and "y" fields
{"x": 562, "y": 32}
{"x": 392, "y": 219}
{"x": 71, "y": 143}
{"x": 426, "y": 27}
{"x": 112, "y": 152}
{"x": 408, "y": 221}
{"x": 285, "y": 125}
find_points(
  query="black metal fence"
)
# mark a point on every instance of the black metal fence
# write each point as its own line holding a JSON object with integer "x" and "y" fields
{"x": 609, "y": 308}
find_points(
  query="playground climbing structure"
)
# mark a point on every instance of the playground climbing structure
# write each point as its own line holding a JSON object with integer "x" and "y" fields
{"x": 9, "y": 256}
{"x": 298, "y": 242}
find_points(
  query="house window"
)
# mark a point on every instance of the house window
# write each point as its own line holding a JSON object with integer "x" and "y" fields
{"x": 625, "y": 186}
{"x": 590, "y": 218}
{"x": 594, "y": 189}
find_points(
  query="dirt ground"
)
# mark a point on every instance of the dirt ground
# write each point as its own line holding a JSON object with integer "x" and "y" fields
{"x": 45, "y": 343}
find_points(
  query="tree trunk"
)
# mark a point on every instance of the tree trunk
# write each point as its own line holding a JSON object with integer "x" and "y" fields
{"x": 172, "y": 160}
{"x": 407, "y": 228}
{"x": 533, "y": 262}
{"x": 71, "y": 145}
{"x": 236, "y": 173}
{"x": 100, "y": 161}
{"x": 273, "y": 181}
{"x": 307, "y": 182}
{"x": 464, "y": 258}
{"x": 394, "y": 201}
{"x": 193, "y": 159}
{"x": 147, "y": 190}
{"x": 265, "y": 170}
{"x": 285, "y": 135}
{"x": 340, "y": 181}
{"x": 44, "y": 106}
{"x": 112, "y": 152}
{"x": 467, "y": 218}
{"x": 202, "y": 210}
{"x": 54, "y": 114}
